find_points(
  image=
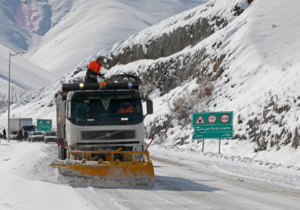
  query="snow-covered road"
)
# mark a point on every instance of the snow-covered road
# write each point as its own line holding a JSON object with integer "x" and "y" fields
{"x": 181, "y": 183}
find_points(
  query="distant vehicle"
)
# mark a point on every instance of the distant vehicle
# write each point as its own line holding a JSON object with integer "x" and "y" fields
{"x": 17, "y": 124}
{"x": 36, "y": 136}
{"x": 50, "y": 136}
{"x": 13, "y": 135}
{"x": 29, "y": 128}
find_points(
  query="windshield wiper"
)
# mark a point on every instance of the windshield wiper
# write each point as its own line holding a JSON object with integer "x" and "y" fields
{"x": 107, "y": 135}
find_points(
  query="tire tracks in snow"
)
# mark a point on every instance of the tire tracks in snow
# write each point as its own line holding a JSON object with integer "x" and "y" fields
{"x": 98, "y": 199}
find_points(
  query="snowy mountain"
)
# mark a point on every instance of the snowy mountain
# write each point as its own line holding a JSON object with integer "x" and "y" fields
{"x": 24, "y": 74}
{"x": 233, "y": 55}
{"x": 59, "y": 34}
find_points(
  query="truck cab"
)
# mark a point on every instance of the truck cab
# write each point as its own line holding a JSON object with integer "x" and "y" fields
{"x": 29, "y": 128}
{"x": 106, "y": 117}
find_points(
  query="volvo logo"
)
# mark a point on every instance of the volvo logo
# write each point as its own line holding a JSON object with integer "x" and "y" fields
{"x": 108, "y": 134}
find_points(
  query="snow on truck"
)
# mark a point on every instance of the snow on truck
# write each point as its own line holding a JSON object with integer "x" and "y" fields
{"x": 100, "y": 132}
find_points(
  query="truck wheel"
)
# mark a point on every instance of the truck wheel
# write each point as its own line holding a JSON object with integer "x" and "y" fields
{"x": 62, "y": 153}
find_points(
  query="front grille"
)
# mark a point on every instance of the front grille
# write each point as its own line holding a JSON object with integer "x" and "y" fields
{"x": 108, "y": 135}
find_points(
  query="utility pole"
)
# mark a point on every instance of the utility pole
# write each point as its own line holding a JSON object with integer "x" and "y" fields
{"x": 8, "y": 113}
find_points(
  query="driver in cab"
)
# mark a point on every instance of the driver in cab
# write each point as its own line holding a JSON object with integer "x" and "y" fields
{"x": 81, "y": 110}
{"x": 126, "y": 108}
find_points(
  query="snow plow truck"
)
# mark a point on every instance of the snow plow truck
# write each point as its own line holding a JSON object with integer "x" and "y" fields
{"x": 100, "y": 132}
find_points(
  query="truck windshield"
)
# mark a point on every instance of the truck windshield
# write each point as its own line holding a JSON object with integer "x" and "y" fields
{"x": 106, "y": 109}
{"x": 28, "y": 128}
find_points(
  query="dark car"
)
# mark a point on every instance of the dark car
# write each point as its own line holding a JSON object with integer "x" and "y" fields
{"x": 50, "y": 137}
{"x": 36, "y": 136}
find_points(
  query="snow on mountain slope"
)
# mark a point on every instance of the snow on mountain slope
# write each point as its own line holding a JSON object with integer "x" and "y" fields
{"x": 12, "y": 35}
{"x": 86, "y": 29}
{"x": 24, "y": 74}
{"x": 58, "y": 34}
{"x": 224, "y": 10}
{"x": 159, "y": 9}
{"x": 252, "y": 64}
{"x": 259, "y": 83}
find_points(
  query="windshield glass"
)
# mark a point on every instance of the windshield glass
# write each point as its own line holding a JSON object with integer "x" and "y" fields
{"x": 106, "y": 109}
{"x": 14, "y": 132}
{"x": 50, "y": 134}
{"x": 28, "y": 128}
{"x": 37, "y": 133}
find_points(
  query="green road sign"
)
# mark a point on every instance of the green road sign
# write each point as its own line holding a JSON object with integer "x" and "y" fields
{"x": 43, "y": 125}
{"x": 212, "y": 125}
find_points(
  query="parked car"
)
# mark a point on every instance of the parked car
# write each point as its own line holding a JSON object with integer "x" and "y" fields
{"x": 50, "y": 136}
{"x": 36, "y": 136}
{"x": 13, "y": 135}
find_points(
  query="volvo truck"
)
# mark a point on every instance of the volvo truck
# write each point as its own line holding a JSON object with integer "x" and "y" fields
{"x": 100, "y": 132}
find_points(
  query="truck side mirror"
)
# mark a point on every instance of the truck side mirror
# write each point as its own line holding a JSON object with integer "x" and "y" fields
{"x": 68, "y": 112}
{"x": 149, "y": 107}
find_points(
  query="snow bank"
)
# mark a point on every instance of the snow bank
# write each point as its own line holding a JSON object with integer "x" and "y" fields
{"x": 27, "y": 182}
{"x": 269, "y": 172}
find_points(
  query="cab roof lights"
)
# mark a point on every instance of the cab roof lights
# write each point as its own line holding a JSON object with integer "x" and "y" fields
{"x": 96, "y": 86}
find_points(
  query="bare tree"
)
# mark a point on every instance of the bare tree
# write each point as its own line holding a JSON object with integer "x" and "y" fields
{"x": 161, "y": 137}
{"x": 16, "y": 94}
{"x": 189, "y": 102}
{"x": 3, "y": 101}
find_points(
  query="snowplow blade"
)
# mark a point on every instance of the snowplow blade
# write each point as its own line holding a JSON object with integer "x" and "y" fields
{"x": 138, "y": 173}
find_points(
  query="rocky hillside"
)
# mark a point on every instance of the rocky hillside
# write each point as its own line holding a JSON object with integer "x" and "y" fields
{"x": 170, "y": 37}
{"x": 232, "y": 55}
{"x": 205, "y": 46}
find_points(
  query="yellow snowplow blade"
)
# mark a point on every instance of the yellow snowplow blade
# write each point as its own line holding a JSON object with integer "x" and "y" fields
{"x": 140, "y": 172}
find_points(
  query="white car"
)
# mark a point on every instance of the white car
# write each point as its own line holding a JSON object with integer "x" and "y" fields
{"x": 13, "y": 135}
{"x": 50, "y": 136}
{"x": 36, "y": 136}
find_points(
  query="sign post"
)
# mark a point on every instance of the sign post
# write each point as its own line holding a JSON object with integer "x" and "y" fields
{"x": 212, "y": 125}
{"x": 44, "y": 125}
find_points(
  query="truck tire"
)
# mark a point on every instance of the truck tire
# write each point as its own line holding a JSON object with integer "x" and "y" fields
{"x": 62, "y": 153}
